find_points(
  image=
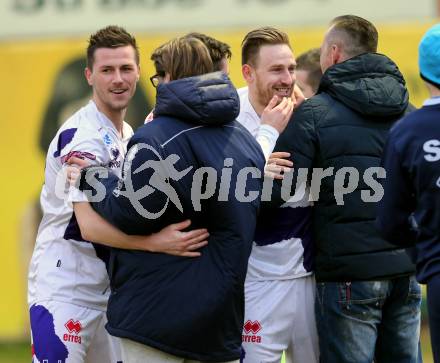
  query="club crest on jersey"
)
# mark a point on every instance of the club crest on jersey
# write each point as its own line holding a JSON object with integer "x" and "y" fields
{"x": 107, "y": 139}
{"x": 74, "y": 328}
{"x": 250, "y": 330}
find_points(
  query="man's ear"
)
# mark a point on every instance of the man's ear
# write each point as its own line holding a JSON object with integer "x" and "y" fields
{"x": 337, "y": 55}
{"x": 88, "y": 75}
{"x": 248, "y": 73}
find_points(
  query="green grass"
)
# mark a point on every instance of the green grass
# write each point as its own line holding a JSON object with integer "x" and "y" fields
{"x": 21, "y": 352}
{"x": 15, "y": 352}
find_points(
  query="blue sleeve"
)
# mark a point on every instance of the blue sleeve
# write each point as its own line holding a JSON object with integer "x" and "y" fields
{"x": 398, "y": 203}
{"x": 131, "y": 203}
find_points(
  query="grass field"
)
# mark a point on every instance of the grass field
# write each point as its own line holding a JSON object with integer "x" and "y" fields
{"x": 21, "y": 353}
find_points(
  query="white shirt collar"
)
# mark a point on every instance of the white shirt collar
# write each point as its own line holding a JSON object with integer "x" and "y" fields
{"x": 126, "y": 128}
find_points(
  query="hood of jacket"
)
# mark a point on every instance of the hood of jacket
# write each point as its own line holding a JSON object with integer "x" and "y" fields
{"x": 370, "y": 83}
{"x": 208, "y": 99}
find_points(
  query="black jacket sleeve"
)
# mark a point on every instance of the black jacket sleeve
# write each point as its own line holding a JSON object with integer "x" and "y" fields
{"x": 300, "y": 140}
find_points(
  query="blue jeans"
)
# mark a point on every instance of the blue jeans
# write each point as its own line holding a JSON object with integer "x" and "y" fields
{"x": 362, "y": 321}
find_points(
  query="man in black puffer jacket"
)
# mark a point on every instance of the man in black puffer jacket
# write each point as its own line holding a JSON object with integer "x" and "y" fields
{"x": 368, "y": 302}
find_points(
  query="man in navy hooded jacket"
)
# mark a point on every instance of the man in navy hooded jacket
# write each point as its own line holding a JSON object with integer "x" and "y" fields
{"x": 410, "y": 209}
{"x": 194, "y": 161}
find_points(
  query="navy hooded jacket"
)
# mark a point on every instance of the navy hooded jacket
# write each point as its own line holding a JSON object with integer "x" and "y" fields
{"x": 183, "y": 161}
{"x": 410, "y": 209}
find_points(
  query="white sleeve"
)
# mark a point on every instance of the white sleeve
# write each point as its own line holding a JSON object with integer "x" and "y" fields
{"x": 267, "y": 137}
{"x": 86, "y": 144}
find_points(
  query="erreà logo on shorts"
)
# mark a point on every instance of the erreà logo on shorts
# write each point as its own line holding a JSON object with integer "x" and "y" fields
{"x": 250, "y": 330}
{"x": 74, "y": 328}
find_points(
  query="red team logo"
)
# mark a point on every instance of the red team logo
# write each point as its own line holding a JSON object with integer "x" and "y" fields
{"x": 74, "y": 328}
{"x": 250, "y": 330}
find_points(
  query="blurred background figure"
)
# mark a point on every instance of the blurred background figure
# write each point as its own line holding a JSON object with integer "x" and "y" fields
{"x": 308, "y": 72}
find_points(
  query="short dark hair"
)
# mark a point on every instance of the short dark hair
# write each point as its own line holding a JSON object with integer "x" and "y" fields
{"x": 112, "y": 36}
{"x": 309, "y": 61}
{"x": 217, "y": 49}
{"x": 360, "y": 35}
{"x": 182, "y": 57}
{"x": 255, "y": 39}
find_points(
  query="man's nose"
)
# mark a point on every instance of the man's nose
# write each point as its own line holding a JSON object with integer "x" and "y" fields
{"x": 288, "y": 77}
{"x": 117, "y": 77}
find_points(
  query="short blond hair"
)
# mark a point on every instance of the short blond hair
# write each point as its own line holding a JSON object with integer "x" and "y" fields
{"x": 255, "y": 39}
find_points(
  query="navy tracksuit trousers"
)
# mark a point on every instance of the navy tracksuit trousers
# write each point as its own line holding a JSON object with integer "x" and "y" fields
{"x": 434, "y": 314}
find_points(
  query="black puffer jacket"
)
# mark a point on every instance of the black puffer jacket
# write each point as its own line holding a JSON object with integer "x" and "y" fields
{"x": 189, "y": 307}
{"x": 345, "y": 126}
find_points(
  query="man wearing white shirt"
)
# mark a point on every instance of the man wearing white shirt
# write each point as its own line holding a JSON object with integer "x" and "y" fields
{"x": 68, "y": 285}
{"x": 279, "y": 288}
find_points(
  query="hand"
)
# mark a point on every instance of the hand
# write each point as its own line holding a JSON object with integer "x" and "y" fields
{"x": 73, "y": 173}
{"x": 173, "y": 241}
{"x": 78, "y": 162}
{"x": 297, "y": 96}
{"x": 73, "y": 170}
{"x": 279, "y": 115}
{"x": 277, "y": 165}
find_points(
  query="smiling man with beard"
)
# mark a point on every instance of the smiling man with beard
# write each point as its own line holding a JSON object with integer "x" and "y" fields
{"x": 279, "y": 287}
